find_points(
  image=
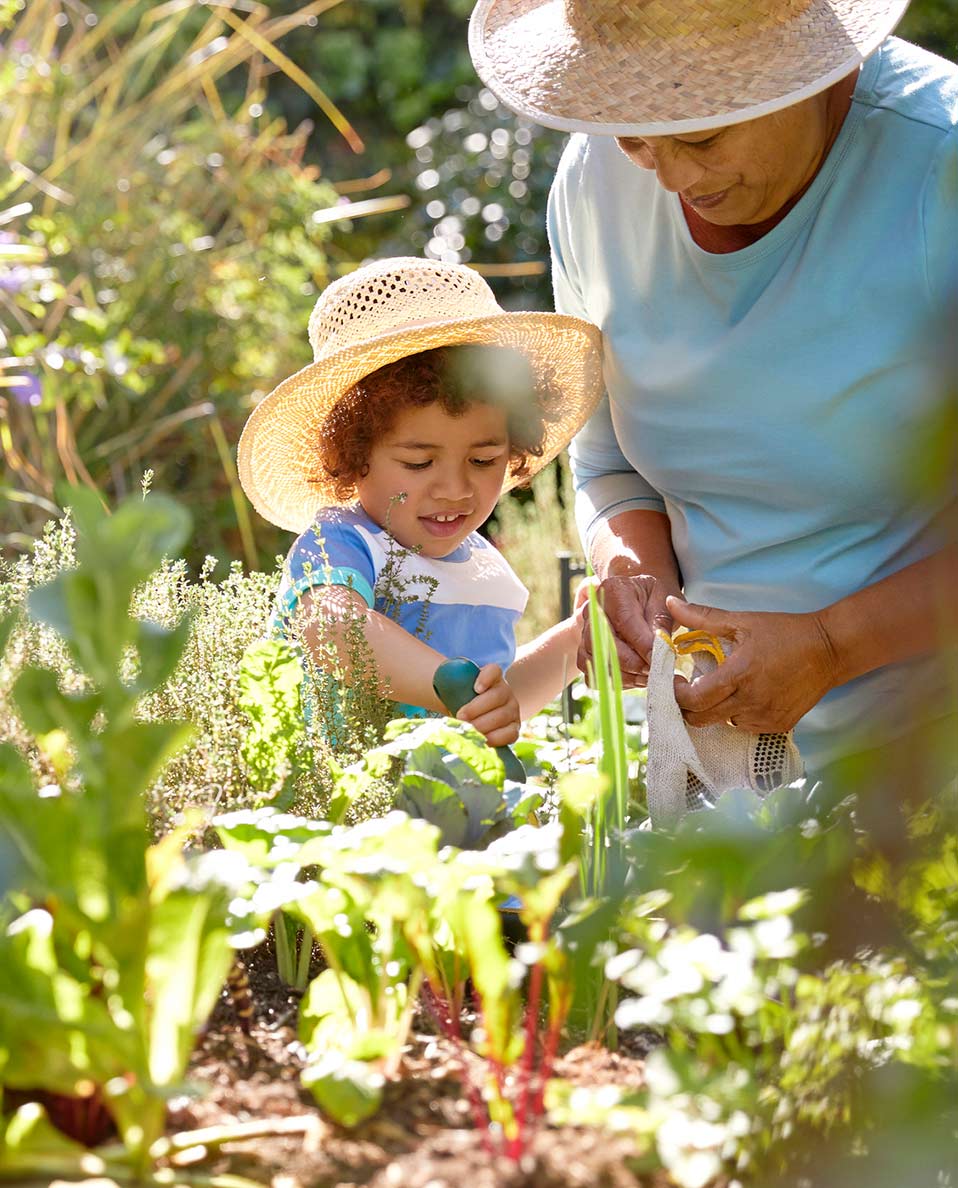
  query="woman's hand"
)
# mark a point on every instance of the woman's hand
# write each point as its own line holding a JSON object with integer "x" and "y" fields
{"x": 782, "y": 665}
{"x": 635, "y": 608}
{"x": 494, "y": 711}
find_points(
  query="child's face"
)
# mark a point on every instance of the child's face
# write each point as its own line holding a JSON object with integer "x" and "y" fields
{"x": 450, "y": 468}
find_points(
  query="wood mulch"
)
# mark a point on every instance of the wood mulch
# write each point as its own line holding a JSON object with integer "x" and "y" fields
{"x": 423, "y": 1137}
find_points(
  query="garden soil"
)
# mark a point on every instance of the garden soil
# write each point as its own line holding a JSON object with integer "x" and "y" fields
{"x": 423, "y": 1137}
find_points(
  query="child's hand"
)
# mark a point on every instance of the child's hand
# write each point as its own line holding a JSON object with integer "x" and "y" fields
{"x": 494, "y": 711}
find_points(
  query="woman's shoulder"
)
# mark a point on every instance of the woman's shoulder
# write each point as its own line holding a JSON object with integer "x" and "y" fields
{"x": 912, "y": 83}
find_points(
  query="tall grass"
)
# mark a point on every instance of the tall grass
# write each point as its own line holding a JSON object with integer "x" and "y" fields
{"x": 159, "y": 246}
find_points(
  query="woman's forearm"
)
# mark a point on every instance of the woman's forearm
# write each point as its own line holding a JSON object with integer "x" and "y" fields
{"x": 633, "y": 543}
{"x": 910, "y": 613}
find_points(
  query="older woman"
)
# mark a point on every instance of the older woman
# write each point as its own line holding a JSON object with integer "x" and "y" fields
{"x": 762, "y": 217}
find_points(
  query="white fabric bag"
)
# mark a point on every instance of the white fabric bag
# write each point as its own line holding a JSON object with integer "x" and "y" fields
{"x": 689, "y": 767}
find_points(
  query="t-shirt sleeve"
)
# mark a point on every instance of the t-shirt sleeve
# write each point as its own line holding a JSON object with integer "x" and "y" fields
{"x": 940, "y": 223}
{"x": 605, "y": 482}
{"x": 327, "y": 554}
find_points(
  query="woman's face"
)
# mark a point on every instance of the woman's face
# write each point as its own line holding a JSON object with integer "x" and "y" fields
{"x": 747, "y": 172}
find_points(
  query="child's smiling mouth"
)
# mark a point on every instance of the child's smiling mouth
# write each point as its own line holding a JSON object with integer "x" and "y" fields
{"x": 444, "y": 524}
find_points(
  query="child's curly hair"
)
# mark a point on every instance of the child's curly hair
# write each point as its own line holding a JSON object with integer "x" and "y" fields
{"x": 454, "y": 377}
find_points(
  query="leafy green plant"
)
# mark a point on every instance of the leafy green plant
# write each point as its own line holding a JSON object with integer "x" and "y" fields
{"x": 442, "y": 771}
{"x": 364, "y": 897}
{"x": 112, "y": 952}
{"x": 271, "y": 678}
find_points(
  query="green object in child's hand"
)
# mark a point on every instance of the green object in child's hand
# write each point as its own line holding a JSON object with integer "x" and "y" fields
{"x": 455, "y": 685}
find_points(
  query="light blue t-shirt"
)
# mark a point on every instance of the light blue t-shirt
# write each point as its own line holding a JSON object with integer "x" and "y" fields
{"x": 464, "y": 604}
{"x": 767, "y": 399}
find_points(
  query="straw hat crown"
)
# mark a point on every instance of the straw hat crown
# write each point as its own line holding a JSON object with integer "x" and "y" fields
{"x": 390, "y": 294}
{"x": 661, "y": 67}
{"x": 385, "y": 311}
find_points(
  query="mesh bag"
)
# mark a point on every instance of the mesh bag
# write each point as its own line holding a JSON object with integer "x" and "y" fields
{"x": 690, "y": 767}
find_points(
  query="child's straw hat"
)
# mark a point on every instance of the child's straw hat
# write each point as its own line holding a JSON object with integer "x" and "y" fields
{"x": 660, "y": 67}
{"x": 383, "y": 312}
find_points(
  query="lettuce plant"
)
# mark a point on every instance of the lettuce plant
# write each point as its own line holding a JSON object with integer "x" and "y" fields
{"x": 443, "y": 772}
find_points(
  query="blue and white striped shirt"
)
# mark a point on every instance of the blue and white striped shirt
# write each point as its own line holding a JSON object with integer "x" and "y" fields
{"x": 464, "y": 604}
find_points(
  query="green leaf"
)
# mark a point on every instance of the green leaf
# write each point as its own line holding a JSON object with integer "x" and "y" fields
{"x": 159, "y": 650}
{"x": 42, "y": 830}
{"x": 458, "y": 738}
{"x": 188, "y": 959}
{"x": 271, "y": 678}
{"x": 142, "y": 532}
{"x": 338, "y": 922}
{"x": 436, "y": 802}
{"x": 477, "y": 927}
{"x": 53, "y": 1031}
{"x": 349, "y": 1091}
{"x": 333, "y": 1013}
{"x": 86, "y": 505}
{"x": 29, "y": 1143}
{"x": 133, "y": 757}
{"x": 44, "y": 707}
{"x": 267, "y": 837}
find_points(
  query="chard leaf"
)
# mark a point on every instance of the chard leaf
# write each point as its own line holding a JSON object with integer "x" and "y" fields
{"x": 333, "y": 1013}
{"x": 188, "y": 957}
{"x": 349, "y": 1091}
{"x": 267, "y": 837}
{"x": 29, "y": 1142}
{"x": 477, "y": 928}
{"x": 338, "y": 924}
{"x": 131, "y": 762}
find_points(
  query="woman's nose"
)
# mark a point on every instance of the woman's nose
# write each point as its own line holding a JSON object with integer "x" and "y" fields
{"x": 674, "y": 168}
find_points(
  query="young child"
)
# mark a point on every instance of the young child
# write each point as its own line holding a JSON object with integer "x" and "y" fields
{"x": 424, "y": 402}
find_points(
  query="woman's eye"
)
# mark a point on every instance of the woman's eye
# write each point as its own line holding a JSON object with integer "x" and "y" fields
{"x": 415, "y": 465}
{"x": 484, "y": 461}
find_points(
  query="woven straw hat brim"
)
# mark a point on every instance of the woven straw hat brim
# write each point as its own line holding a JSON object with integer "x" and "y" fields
{"x": 655, "y": 68}
{"x": 278, "y": 463}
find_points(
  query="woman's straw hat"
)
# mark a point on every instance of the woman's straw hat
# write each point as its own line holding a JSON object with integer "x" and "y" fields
{"x": 660, "y": 67}
{"x": 383, "y": 312}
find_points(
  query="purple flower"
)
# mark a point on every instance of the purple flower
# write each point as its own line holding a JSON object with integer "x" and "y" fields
{"x": 27, "y": 388}
{"x": 13, "y": 279}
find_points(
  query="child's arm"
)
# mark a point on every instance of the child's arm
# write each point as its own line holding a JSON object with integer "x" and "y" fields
{"x": 543, "y": 667}
{"x": 405, "y": 665}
